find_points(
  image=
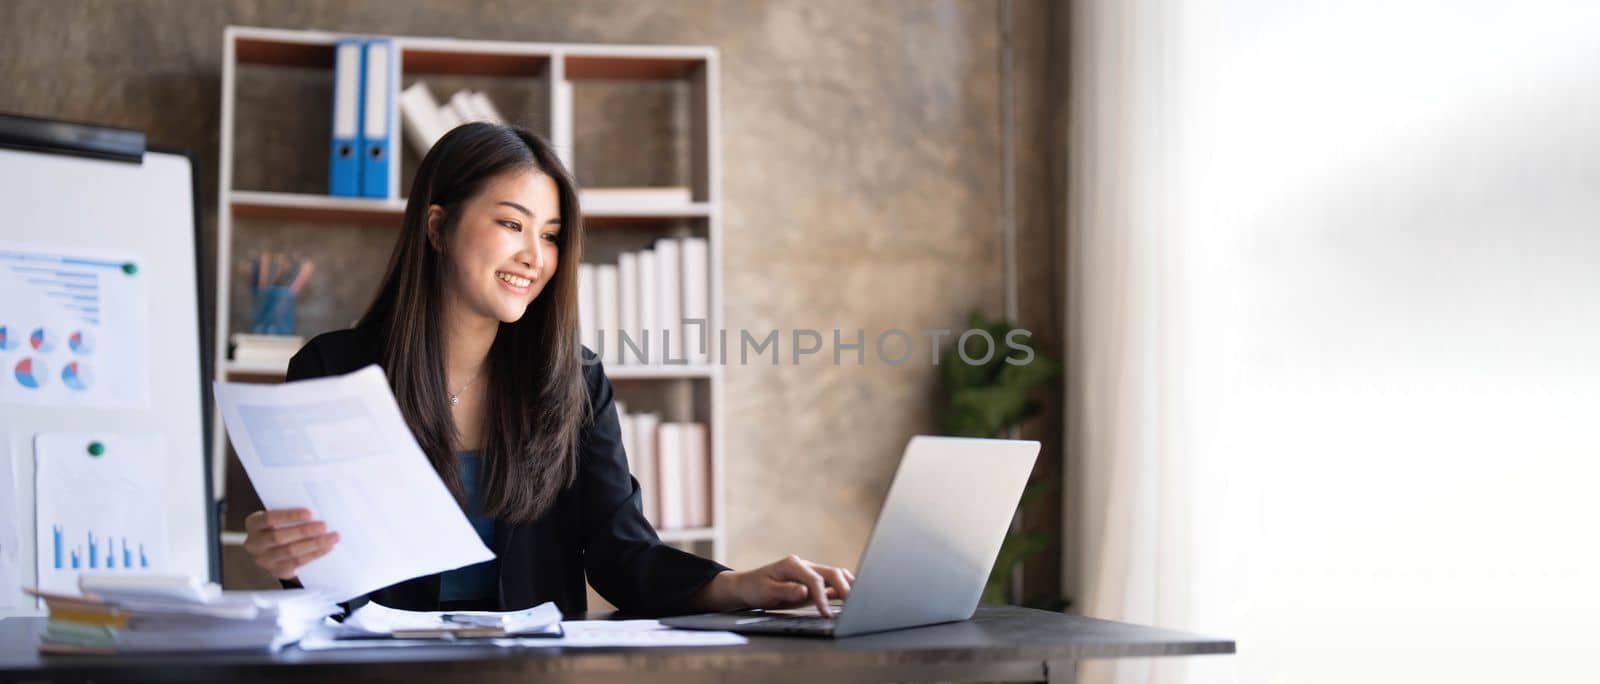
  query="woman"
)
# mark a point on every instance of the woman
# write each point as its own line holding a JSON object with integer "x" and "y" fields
{"x": 475, "y": 326}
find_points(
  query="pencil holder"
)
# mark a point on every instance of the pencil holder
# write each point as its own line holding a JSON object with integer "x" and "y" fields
{"x": 273, "y": 312}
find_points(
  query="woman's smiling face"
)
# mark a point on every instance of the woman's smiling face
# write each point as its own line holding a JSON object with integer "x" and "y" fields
{"x": 504, "y": 247}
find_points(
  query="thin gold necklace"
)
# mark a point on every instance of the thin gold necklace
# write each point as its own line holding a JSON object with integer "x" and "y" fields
{"x": 457, "y": 393}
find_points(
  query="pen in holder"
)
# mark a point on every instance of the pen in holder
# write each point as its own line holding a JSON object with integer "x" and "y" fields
{"x": 273, "y": 313}
{"x": 273, "y": 285}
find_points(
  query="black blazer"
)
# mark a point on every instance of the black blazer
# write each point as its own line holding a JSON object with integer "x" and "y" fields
{"x": 595, "y": 528}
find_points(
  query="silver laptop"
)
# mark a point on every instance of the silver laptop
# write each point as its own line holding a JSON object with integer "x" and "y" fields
{"x": 929, "y": 555}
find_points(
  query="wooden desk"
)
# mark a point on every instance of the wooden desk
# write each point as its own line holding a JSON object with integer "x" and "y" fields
{"x": 1000, "y": 643}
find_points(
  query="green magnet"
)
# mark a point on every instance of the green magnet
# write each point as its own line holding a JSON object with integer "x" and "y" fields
{"x": 96, "y": 449}
{"x": 130, "y": 268}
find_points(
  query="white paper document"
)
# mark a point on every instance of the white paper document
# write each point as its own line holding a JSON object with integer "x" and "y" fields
{"x": 340, "y": 447}
{"x": 640, "y": 633}
{"x": 99, "y": 503}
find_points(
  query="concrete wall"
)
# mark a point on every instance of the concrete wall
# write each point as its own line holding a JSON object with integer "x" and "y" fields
{"x": 862, "y": 157}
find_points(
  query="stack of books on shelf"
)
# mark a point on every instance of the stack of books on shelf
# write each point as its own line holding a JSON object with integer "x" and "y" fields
{"x": 649, "y": 308}
{"x": 672, "y": 462}
{"x": 122, "y": 613}
{"x": 265, "y": 353}
{"x": 426, "y": 120}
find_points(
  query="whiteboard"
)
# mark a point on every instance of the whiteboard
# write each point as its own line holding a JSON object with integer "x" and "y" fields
{"x": 138, "y": 213}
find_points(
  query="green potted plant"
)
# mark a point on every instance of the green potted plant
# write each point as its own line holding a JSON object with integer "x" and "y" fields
{"x": 987, "y": 400}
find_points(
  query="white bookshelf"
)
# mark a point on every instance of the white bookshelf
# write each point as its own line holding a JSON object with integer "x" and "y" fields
{"x": 693, "y": 392}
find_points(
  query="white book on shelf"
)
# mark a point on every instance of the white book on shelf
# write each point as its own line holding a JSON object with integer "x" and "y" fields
{"x": 263, "y": 353}
{"x": 696, "y": 475}
{"x": 644, "y": 463}
{"x": 485, "y": 108}
{"x": 253, "y": 350}
{"x": 605, "y": 310}
{"x": 461, "y": 103}
{"x": 257, "y": 365}
{"x": 669, "y": 301}
{"x": 448, "y": 117}
{"x": 419, "y": 117}
{"x": 697, "y": 300}
{"x": 561, "y": 122}
{"x": 649, "y": 311}
{"x": 261, "y": 359}
{"x": 628, "y": 308}
{"x": 586, "y": 312}
{"x": 244, "y": 343}
{"x": 670, "y": 475}
{"x": 267, "y": 341}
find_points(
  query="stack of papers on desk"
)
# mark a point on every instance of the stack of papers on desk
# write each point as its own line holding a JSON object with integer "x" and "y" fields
{"x": 374, "y": 625}
{"x": 113, "y": 621}
{"x": 375, "y": 620}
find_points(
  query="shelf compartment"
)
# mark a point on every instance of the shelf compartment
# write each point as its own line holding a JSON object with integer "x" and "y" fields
{"x": 308, "y": 53}
{"x": 516, "y": 84}
{"x": 643, "y": 68}
{"x": 419, "y": 60}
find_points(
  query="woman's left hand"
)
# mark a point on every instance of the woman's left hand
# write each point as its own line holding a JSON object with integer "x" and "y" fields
{"x": 788, "y": 583}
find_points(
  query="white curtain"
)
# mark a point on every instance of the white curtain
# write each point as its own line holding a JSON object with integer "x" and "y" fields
{"x": 1334, "y": 336}
{"x": 1128, "y": 495}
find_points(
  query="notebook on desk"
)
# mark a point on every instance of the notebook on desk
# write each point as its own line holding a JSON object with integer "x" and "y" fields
{"x": 927, "y": 560}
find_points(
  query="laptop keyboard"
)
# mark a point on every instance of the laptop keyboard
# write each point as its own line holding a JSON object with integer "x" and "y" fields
{"x": 807, "y": 624}
{"x": 804, "y": 619}
{"x": 777, "y": 621}
{"x": 806, "y": 612}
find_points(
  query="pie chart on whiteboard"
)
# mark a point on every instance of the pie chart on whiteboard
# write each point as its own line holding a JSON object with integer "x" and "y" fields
{"x": 76, "y": 377}
{"x": 81, "y": 342}
{"x": 42, "y": 340}
{"x": 31, "y": 373}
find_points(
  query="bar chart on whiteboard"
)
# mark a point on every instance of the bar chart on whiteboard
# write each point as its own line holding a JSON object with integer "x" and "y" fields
{"x": 91, "y": 552}
{"x": 73, "y": 328}
{"x": 99, "y": 505}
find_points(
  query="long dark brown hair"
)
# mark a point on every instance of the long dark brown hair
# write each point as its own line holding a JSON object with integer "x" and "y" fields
{"x": 537, "y": 402}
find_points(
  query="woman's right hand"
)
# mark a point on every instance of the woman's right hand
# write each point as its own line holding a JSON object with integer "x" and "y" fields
{"x": 282, "y": 540}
